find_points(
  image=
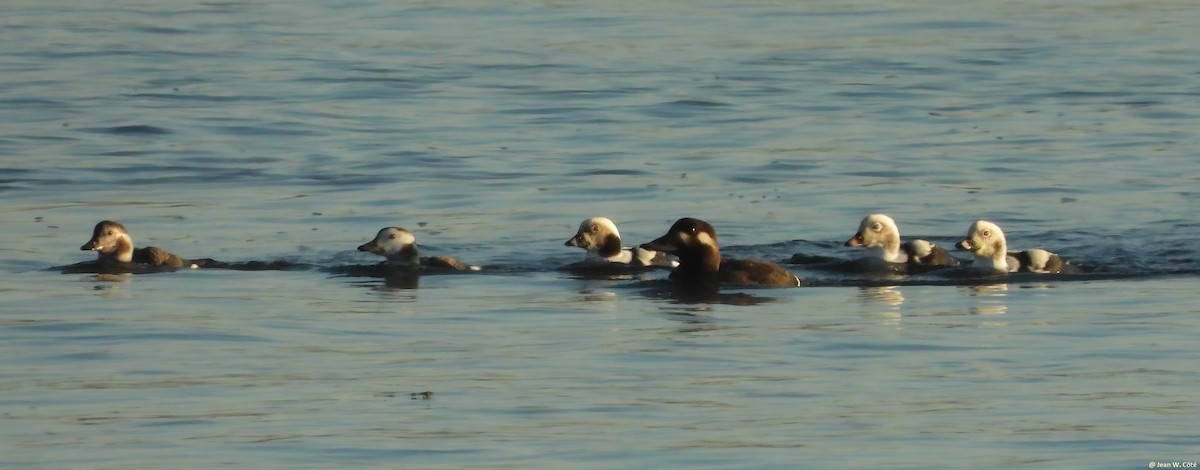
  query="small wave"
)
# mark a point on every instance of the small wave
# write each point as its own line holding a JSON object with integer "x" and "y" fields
{"x": 610, "y": 172}
{"x": 140, "y": 129}
{"x": 696, "y": 103}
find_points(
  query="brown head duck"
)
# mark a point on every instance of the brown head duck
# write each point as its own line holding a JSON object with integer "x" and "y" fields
{"x": 694, "y": 241}
{"x": 114, "y": 246}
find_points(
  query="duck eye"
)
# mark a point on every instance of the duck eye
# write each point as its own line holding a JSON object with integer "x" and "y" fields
{"x": 986, "y": 233}
{"x": 109, "y": 232}
{"x": 392, "y": 237}
{"x": 876, "y": 227}
{"x": 595, "y": 228}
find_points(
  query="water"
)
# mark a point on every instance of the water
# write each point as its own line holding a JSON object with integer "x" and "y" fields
{"x": 294, "y": 131}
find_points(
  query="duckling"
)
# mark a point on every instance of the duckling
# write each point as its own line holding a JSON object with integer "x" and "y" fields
{"x": 879, "y": 234}
{"x": 599, "y": 236}
{"x": 114, "y": 246}
{"x": 694, "y": 241}
{"x": 986, "y": 241}
{"x": 399, "y": 246}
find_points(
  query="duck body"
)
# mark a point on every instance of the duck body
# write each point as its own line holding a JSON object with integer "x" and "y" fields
{"x": 600, "y": 237}
{"x": 879, "y": 234}
{"x": 987, "y": 243}
{"x": 694, "y": 241}
{"x": 399, "y": 247}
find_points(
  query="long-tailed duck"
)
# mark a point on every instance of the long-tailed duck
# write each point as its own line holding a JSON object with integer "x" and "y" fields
{"x": 694, "y": 241}
{"x": 879, "y": 234}
{"x": 115, "y": 248}
{"x": 599, "y": 236}
{"x": 986, "y": 241}
{"x": 399, "y": 246}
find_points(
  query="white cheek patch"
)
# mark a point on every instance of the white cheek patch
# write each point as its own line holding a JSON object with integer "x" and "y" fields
{"x": 705, "y": 239}
{"x": 979, "y": 247}
{"x": 582, "y": 238}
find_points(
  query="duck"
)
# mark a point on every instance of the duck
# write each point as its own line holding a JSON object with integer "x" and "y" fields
{"x": 986, "y": 241}
{"x": 600, "y": 237}
{"x": 694, "y": 241}
{"x": 879, "y": 234}
{"x": 114, "y": 247}
{"x": 399, "y": 246}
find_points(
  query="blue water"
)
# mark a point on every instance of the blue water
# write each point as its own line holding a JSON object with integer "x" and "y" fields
{"x": 294, "y": 131}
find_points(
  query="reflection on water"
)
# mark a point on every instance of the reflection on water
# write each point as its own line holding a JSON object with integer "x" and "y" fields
{"x": 887, "y": 295}
{"x": 989, "y": 298}
{"x": 588, "y": 295}
{"x": 889, "y": 298}
{"x": 111, "y": 278}
{"x": 744, "y": 299}
{"x": 402, "y": 280}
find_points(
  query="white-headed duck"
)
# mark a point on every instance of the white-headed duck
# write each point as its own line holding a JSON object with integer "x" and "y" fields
{"x": 986, "y": 241}
{"x": 599, "y": 236}
{"x": 879, "y": 234}
{"x": 399, "y": 246}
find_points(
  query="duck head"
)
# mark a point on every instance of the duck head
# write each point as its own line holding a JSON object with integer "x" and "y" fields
{"x": 694, "y": 241}
{"x": 111, "y": 241}
{"x": 986, "y": 241}
{"x": 597, "y": 235}
{"x": 878, "y": 232}
{"x": 398, "y": 245}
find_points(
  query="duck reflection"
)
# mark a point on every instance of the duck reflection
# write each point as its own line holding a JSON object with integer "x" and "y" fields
{"x": 889, "y": 298}
{"x": 884, "y": 295}
{"x": 989, "y": 298}
{"x": 689, "y": 296}
{"x": 402, "y": 280}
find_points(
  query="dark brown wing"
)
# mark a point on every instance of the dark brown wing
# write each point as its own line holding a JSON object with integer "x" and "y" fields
{"x": 443, "y": 262}
{"x": 155, "y": 256}
{"x": 756, "y": 272}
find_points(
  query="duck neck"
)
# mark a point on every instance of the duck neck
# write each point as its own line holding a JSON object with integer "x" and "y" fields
{"x": 407, "y": 256}
{"x": 704, "y": 260}
{"x": 889, "y": 251}
{"x": 998, "y": 261}
{"x": 122, "y": 250}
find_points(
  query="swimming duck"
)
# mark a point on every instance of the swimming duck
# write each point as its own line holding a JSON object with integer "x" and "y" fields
{"x": 399, "y": 246}
{"x": 694, "y": 241}
{"x": 115, "y": 246}
{"x": 599, "y": 236}
{"x": 878, "y": 233}
{"x": 986, "y": 241}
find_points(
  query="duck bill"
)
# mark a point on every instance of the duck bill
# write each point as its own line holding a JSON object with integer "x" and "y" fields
{"x": 964, "y": 245}
{"x": 665, "y": 244}
{"x": 370, "y": 247}
{"x": 91, "y": 245}
{"x": 856, "y": 240}
{"x": 574, "y": 241}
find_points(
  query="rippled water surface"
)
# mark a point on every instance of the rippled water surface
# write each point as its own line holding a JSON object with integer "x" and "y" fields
{"x": 292, "y": 131}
